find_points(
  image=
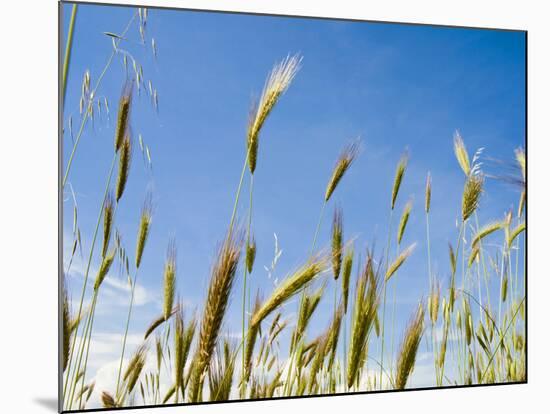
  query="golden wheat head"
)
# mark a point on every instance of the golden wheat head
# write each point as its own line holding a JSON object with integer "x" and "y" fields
{"x": 169, "y": 279}
{"x": 399, "y": 173}
{"x": 409, "y": 348}
{"x": 144, "y": 227}
{"x": 461, "y": 154}
{"x": 473, "y": 188}
{"x": 337, "y": 243}
{"x": 276, "y": 84}
{"x": 346, "y": 158}
{"x": 219, "y": 291}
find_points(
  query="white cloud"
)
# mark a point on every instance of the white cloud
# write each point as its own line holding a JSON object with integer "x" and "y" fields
{"x": 114, "y": 291}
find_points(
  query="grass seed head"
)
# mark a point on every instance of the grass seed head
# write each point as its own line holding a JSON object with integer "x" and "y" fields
{"x": 346, "y": 276}
{"x": 123, "y": 116}
{"x": 144, "y": 227}
{"x": 219, "y": 292}
{"x": 403, "y": 222}
{"x": 409, "y": 348}
{"x": 520, "y": 159}
{"x": 276, "y": 84}
{"x": 169, "y": 279}
{"x": 433, "y": 302}
{"x": 66, "y": 326}
{"x": 346, "y": 158}
{"x": 485, "y": 231}
{"x": 461, "y": 154}
{"x": 399, "y": 173}
{"x": 250, "y": 254}
{"x": 337, "y": 244}
{"x": 428, "y": 193}
{"x": 473, "y": 188}
{"x": 108, "y": 211}
{"x": 124, "y": 162}
{"x": 104, "y": 269}
{"x": 107, "y": 400}
{"x": 404, "y": 255}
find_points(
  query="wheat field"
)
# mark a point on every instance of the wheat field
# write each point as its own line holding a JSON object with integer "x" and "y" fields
{"x": 333, "y": 321}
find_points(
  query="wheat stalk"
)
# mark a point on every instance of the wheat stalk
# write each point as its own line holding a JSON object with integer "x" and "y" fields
{"x": 276, "y": 84}
{"x": 473, "y": 189}
{"x": 124, "y": 166}
{"x": 461, "y": 154}
{"x": 219, "y": 290}
{"x": 108, "y": 214}
{"x": 337, "y": 230}
{"x": 123, "y": 115}
{"x": 396, "y": 264}
{"x": 250, "y": 254}
{"x": 169, "y": 279}
{"x": 409, "y": 348}
{"x": 364, "y": 314}
{"x": 346, "y": 158}
{"x": 403, "y": 222}
{"x": 144, "y": 227}
{"x": 346, "y": 275}
{"x": 398, "y": 179}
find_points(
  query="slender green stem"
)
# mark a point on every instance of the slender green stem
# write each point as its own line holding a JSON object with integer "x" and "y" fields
{"x": 91, "y": 327}
{"x": 429, "y": 250}
{"x": 482, "y": 257}
{"x": 87, "y": 354}
{"x": 313, "y": 244}
{"x": 384, "y": 298}
{"x": 451, "y": 298}
{"x": 84, "y": 343}
{"x": 68, "y": 48}
{"x": 86, "y": 274}
{"x": 502, "y": 270}
{"x": 393, "y": 313}
{"x": 238, "y": 194}
{"x": 245, "y": 271}
{"x": 501, "y": 342}
{"x": 126, "y": 331}
{"x": 344, "y": 343}
{"x": 294, "y": 345}
{"x": 431, "y": 283}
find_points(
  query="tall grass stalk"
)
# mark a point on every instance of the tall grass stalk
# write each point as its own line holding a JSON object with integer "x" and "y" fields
{"x": 143, "y": 233}
{"x": 245, "y": 271}
{"x": 86, "y": 274}
{"x": 384, "y": 288}
{"x": 68, "y": 49}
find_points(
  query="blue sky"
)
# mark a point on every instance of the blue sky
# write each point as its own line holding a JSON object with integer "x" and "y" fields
{"x": 398, "y": 87}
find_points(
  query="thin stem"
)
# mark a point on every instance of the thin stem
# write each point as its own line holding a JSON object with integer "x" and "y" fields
{"x": 84, "y": 342}
{"x": 126, "y": 330}
{"x": 68, "y": 48}
{"x": 243, "y": 322}
{"x": 384, "y": 299}
{"x": 293, "y": 341}
{"x": 393, "y": 314}
{"x": 429, "y": 250}
{"x": 238, "y": 194}
{"x": 91, "y": 327}
{"x": 482, "y": 257}
{"x": 86, "y": 274}
{"x": 501, "y": 340}
{"x": 87, "y": 354}
{"x": 502, "y": 270}
{"x": 317, "y": 229}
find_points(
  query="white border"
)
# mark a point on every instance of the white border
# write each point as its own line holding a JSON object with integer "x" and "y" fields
{"x": 28, "y": 211}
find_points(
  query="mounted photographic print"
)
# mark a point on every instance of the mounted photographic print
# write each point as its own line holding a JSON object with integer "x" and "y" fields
{"x": 257, "y": 207}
